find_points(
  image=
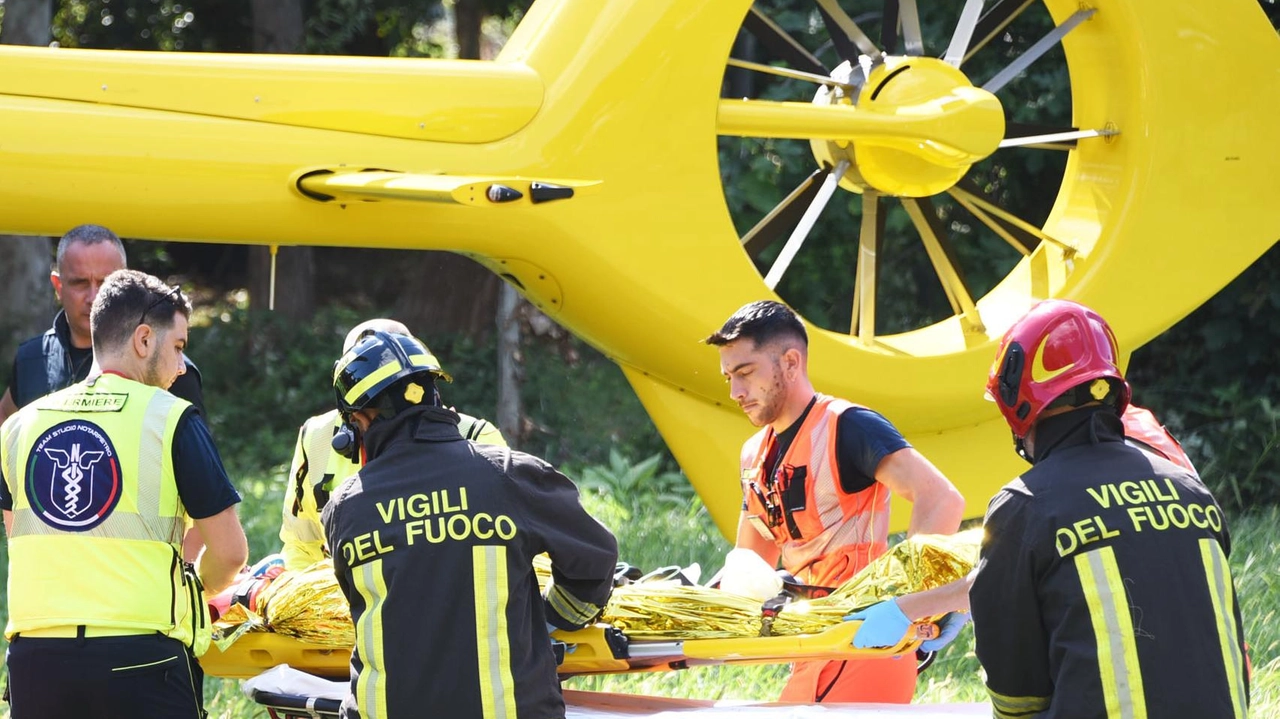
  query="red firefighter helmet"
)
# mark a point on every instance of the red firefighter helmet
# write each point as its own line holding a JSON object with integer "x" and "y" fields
{"x": 1056, "y": 346}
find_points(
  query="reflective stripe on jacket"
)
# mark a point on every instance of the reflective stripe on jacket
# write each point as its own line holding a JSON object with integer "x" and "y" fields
{"x": 97, "y": 521}
{"x": 1103, "y": 568}
{"x": 317, "y": 470}
{"x": 825, "y": 534}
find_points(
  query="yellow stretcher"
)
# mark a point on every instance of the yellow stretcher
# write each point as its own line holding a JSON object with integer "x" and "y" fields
{"x": 599, "y": 649}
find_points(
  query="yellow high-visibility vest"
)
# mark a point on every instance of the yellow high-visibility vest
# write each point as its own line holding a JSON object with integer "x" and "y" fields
{"x": 317, "y": 470}
{"x": 97, "y": 521}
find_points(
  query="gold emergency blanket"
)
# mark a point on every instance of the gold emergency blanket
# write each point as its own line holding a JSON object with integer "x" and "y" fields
{"x": 658, "y": 610}
{"x": 668, "y": 610}
{"x": 919, "y": 563}
{"x": 308, "y": 605}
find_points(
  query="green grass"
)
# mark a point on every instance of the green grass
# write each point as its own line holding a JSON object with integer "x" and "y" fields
{"x": 684, "y": 536}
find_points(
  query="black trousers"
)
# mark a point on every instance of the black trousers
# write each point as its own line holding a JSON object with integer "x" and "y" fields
{"x": 139, "y": 677}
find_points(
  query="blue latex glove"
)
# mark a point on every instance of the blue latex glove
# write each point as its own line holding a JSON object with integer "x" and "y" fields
{"x": 949, "y": 627}
{"x": 883, "y": 625}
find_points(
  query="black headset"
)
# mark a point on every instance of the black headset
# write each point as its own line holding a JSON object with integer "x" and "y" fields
{"x": 346, "y": 440}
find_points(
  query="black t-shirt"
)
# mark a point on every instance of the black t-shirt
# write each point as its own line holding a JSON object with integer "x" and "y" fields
{"x": 865, "y": 438}
{"x": 203, "y": 484}
{"x": 81, "y": 362}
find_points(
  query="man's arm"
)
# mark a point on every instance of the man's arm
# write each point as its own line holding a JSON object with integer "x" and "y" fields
{"x": 8, "y": 523}
{"x": 953, "y": 597}
{"x": 885, "y": 623}
{"x": 583, "y": 552}
{"x": 210, "y": 500}
{"x": 192, "y": 544}
{"x": 7, "y": 406}
{"x": 225, "y": 550}
{"x": 936, "y": 505}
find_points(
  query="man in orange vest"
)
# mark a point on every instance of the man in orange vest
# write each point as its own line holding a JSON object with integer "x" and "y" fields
{"x": 816, "y": 484}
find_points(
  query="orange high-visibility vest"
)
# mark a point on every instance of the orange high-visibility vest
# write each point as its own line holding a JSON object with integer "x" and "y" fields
{"x": 1141, "y": 425}
{"x": 825, "y": 534}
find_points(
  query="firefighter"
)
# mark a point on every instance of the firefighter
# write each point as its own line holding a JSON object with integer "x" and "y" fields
{"x": 1104, "y": 566}
{"x": 885, "y": 623}
{"x": 433, "y": 541}
{"x": 317, "y": 467}
{"x": 816, "y": 484}
{"x": 105, "y": 619}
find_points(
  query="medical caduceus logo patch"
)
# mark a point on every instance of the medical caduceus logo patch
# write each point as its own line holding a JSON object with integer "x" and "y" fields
{"x": 73, "y": 476}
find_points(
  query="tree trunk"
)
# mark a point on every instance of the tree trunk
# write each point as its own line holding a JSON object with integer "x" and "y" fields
{"x": 27, "y": 22}
{"x": 467, "y": 15}
{"x": 278, "y": 28}
{"x": 25, "y": 293}
{"x": 439, "y": 292}
{"x": 741, "y": 83}
{"x": 510, "y": 413}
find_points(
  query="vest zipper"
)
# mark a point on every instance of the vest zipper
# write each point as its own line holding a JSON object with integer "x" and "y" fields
{"x": 195, "y": 594}
{"x": 197, "y": 598}
{"x": 173, "y": 589}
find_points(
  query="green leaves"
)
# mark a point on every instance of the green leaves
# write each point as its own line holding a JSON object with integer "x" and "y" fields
{"x": 641, "y": 487}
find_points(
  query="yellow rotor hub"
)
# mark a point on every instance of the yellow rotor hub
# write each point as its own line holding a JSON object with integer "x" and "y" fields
{"x": 948, "y": 125}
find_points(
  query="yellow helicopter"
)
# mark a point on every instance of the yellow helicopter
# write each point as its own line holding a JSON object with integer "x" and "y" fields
{"x": 581, "y": 165}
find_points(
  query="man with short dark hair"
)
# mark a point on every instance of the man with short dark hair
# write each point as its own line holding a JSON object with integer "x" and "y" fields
{"x": 816, "y": 484}
{"x": 99, "y": 480}
{"x": 64, "y": 354}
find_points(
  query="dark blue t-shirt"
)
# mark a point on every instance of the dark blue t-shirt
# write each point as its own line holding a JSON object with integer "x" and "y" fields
{"x": 203, "y": 484}
{"x": 865, "y": 438}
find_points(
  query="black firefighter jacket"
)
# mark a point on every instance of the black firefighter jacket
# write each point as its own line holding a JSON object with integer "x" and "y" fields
{"x": 432, "y": 543}
{"x": 1102, "y": 589}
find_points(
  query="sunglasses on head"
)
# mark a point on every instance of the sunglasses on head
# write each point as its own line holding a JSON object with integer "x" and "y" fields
{"x": 174, "y": 295}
